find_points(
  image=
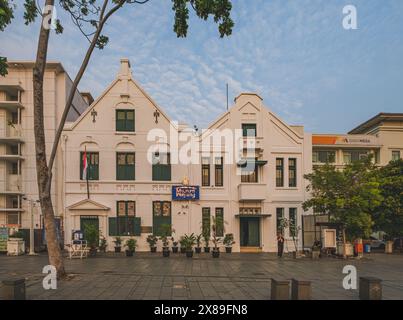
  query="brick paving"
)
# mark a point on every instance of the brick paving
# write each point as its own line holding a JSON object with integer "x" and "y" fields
{"x": 232, "y": 276}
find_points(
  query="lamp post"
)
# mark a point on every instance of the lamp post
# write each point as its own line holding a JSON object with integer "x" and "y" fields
{"x": 31, "y": 230}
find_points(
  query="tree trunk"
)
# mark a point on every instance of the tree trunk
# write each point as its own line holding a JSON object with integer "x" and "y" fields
{"x": 44, "y": 179}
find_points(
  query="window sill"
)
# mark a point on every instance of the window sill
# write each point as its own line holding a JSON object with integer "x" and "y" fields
{"x": 125, "y": 133}
{"x": 212, "y": 187}
{"x": 286, "y": 188}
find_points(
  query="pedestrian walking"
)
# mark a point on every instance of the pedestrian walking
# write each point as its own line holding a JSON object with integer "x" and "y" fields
{"x": 280, "y": 245}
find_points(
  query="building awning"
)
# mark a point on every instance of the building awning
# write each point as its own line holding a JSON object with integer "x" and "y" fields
{"x": 259, "y": 215}
{"x": 244, "y": 162}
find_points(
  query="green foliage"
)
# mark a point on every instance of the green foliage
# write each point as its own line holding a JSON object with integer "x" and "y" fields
{"x": 91, "y": 234}
{"x": 118, "y": 241}
{"x": 348, "y": 196}
{"x": 198, "y": 240}
{"x": 388, "y": 216}
{"x": 229, "y": 240}
{"x": 131, "y": 244}
{"x": 30, "y": 12}
{"x": 188, "y": 241}
{"x": 17, "y": 234}
{"x": 6, "y": 13}
{"x": 217, "y": 222}
{"x": 152, "y": 240}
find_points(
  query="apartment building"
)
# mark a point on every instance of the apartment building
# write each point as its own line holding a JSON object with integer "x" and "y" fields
{"x": 17, "y": 144}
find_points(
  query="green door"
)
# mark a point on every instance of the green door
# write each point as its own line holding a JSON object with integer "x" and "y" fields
{"x": 89, "y": 220}
{"x": 250, "y": 232}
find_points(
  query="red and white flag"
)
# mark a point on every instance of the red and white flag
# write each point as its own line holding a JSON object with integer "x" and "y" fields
{"x": 85, "y": 165}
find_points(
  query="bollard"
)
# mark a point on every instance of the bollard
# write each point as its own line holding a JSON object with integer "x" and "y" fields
{"x": 14, "y": 289}
{"x": 370, "y": 288}
{"x": 300, "y": 290}
{"x": 280, "y": 290}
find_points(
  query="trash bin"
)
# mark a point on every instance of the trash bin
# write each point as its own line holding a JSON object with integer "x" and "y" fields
{"x": 367, "y": 248}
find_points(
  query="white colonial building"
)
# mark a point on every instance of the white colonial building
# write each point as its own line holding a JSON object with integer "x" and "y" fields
{"x": 131, "y": 194}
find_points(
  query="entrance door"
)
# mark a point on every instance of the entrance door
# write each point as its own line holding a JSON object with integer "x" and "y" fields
{"x": 250, "y": 232}
{"x": 88, "y": 220}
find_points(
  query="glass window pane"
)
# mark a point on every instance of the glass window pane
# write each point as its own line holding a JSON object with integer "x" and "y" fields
{"x": 121, "y": 159}
{"x": 121, "y": 208}
{"x": 130, "y": 115}
{"x": 131, "y": 208}
{"x": 130, "y": 159}
{"x": 157, "y": 208}
{"x": 120, "y": 115}
{"x": 166, "y": 209}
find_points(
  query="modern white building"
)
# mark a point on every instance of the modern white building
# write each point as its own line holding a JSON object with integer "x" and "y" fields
{"x": 17, "y": 143}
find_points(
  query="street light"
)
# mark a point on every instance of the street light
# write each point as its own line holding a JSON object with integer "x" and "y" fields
{"x": 31, "y": 230}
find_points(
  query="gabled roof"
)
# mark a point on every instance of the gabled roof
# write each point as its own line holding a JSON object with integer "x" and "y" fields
{"x": 87, "y": 204}
{"x": 365, "y": 126}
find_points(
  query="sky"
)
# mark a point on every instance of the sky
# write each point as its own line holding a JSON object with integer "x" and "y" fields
{"x": 294, "y": 53}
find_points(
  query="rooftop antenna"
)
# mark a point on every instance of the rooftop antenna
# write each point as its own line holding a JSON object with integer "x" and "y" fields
{"x": 227, "y": 96}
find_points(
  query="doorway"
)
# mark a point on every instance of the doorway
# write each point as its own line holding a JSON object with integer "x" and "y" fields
{"x": 250, "y": 232}
{"x": 88, "y": 220}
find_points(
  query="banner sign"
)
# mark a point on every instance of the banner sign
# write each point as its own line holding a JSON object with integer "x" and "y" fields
{"x": 180, "y": 193}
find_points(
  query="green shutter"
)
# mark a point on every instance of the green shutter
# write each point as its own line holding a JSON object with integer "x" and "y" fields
{"x": 137, "y": 226}
{"x": 159, "y": 221}
{"x": 112, "y": 227}
{"x": 161, "y": 172}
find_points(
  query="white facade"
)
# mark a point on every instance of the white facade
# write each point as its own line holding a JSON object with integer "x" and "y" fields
{"x": 17, "y": 144}
{"x": 98, "y": 134}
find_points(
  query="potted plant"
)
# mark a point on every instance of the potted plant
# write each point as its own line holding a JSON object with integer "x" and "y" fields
{"x": 206, "y": 238}
{"x": 182, "y": 243}
{"x": 131, "y": 245}
{"x": 174, "y": 246}
{"x": 92, "y": 236}
{"x": 102, "y": 244}
{"x": 152, "y": 241}
{"x": 198, "y": 243}
{"x": 188, "y": 243}
{"x": 228, "y": 242}
{"x": 215, "y": 239}
{"x": 165, "y": 232}
{"x": 118, "y": 244}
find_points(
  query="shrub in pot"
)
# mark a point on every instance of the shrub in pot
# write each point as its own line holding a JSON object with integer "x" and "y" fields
{"x": 174, "y": 246}
{"x": 118, "y": 244}
{"x": 92, "y": 236}
{"x": 152, "y": 241}
{"x": 316, "y": 249}
{"x": 206, "y": 238}
{"x": 165, "y": 232}
{"x": 189, "y": 241}
{"x": 131, "y": 245}
{"x": 215, "y": 226}
{"x": 228, "y": 242}
{"x": 183, "y": 245}
{"x": 102, "y": 244}
{"x": 198, "y": 243}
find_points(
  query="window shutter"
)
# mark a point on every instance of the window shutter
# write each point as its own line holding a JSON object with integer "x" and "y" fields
{"x": 112, "y": 227}
{"x": 137, "y": 226}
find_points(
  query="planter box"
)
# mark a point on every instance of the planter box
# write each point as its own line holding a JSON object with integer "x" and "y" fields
{"x": 15, "y": 246}
{"x": 345, "y": 250}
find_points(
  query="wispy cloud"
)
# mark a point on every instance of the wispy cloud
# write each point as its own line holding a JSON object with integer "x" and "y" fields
{"x": 295, "y": 54}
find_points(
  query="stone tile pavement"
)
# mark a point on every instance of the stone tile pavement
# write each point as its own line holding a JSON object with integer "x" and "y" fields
{"x": 232, "y": 276}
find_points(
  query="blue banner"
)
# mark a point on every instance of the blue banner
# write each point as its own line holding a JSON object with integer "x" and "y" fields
{"x": 180, "y": 193}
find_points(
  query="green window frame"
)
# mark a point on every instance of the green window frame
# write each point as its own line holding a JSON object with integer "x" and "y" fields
{"x": 125, "y": 211}
{"x": 292, "y": 172}
{"x": 125, "y": 120}
{"x": 219, "y": 171}
{"x": 161, "y": 169}
{"x": 219, "y": 218}
{"x": 292, "y": 217}
{"x": 249, "y": 129}
{"x": 206, "y": 221}
{"x": 279, "y": 218}
{"x": 279, "y": 172}
{"x": 125, "y": 165}
{"x": 205, "y": 172}
{"x": 162, "y": 215}
{"x": 93, "y": 165}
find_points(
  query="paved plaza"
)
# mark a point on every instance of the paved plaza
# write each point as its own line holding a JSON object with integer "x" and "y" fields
{"x": 232, "y": 276}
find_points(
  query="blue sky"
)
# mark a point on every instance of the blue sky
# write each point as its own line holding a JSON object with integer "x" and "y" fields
{"x": 294, "y": 53}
